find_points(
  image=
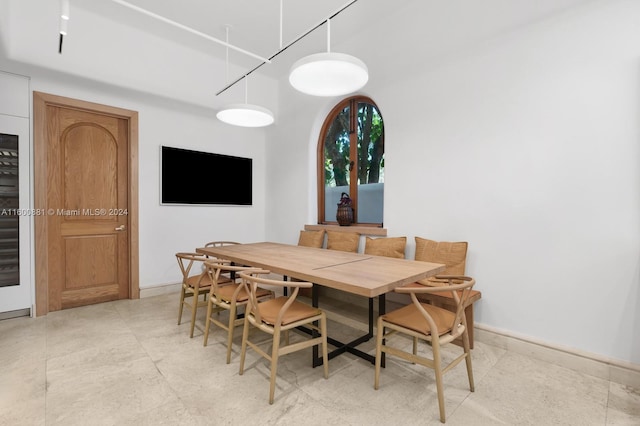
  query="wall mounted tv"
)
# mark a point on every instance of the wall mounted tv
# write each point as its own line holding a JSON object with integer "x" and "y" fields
{"x": 194, "y": 177}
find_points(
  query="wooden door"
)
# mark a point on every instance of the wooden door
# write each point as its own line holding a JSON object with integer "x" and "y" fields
{"x": 88, "y": 211}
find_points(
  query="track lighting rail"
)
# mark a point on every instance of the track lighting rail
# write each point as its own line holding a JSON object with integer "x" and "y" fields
{"x": 282, "y": 49}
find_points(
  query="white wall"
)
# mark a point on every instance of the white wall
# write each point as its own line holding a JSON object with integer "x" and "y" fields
{"x": 164, "y": 230}
{"x": 527, "y": 146}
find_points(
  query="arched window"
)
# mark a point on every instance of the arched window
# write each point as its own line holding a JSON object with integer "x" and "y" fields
{"x": 351, "y": 160}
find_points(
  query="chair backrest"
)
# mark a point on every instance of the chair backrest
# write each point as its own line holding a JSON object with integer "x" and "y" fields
{"x": 311, "y": 238}
{"x": 186, "y": 261}
{"x": 215, "y": 267}
{"x": 389, "y": 247}
{"x": 453, "y": 255}
{"x": 460, "y": 288}
{"x": 343, "y": 241}
{"x": 220, "y": 243}
{"x": 251, "y": 280}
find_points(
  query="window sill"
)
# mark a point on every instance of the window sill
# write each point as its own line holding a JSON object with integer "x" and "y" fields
{"x": 363, "y": 230}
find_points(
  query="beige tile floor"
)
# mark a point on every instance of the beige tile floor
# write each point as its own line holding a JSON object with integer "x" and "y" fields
{"x": 128, "y": 363}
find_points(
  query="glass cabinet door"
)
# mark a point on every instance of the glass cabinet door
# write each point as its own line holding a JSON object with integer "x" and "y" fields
{"x": 9, "y": 209}
{"x": 16, "y": 218}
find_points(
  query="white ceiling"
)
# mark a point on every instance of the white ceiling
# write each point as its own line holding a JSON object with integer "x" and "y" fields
{"x": 110, "y": 43}
{"x": 254, "y": 24}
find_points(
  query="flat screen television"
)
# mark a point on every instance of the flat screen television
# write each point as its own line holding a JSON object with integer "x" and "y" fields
{"x": 195, "y": 177}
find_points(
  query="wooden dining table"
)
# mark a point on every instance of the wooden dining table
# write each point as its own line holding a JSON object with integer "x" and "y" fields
{"x": 361, "y": 274}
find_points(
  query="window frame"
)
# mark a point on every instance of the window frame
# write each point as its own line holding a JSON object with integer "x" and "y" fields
{"x": 353, "y": 155}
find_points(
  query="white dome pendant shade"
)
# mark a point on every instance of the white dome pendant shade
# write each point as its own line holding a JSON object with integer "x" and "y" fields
{"x": 328, "y": 74}
{"x": 245, "y": 115}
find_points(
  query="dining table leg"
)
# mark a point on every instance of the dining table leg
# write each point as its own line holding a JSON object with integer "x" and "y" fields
{"x": 317, "y": 361}
{"x": 348, "y": 347}
{"x": 382, "y": 309}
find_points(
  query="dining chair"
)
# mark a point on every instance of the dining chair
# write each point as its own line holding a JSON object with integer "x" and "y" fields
{"x": 229, "y": 276}
{"x": 196, "y": 282}
{"x": 276, "y": 317}
{"x": 343, "y": 241}
{"x": 437, "y": 326}
{"x": 228, "y": 297}
{"x": 309, "y": 239}
{"x": 453, "y": 255}
{"x": 387, "y": 247}
{"x": 220, "y": 243}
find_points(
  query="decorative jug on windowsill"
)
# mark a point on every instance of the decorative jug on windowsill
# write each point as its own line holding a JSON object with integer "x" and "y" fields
{"x": 344, "y": 216}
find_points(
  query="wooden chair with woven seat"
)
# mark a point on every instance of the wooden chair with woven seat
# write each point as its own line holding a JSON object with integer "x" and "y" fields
{"x": 220, "y": 243}
{"x": 227, "y": 297}
{"x": 196, "y": 282}
{"x": 309, "y": 239}
{"x": 435, "y": 325}
{"x": 387, "y": 247}
{"x": 276, "y": 317}
{"x": 454, "y": 256}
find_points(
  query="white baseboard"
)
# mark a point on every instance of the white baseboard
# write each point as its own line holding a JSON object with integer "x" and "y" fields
{"x": 15, "y": 314}
{"x": 617, "y": 371}
{"x": 158, "y": 290}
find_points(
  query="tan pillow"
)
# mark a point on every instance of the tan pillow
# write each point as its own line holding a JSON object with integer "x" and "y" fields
{"x": 389, "y": 247}
{"x": 343, "y": 241}
{"x": 311, "y": 238}
{"x": 454, "y": 255}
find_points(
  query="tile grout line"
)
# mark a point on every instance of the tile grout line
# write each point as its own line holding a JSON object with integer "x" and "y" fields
{"x": 155, "y": 364}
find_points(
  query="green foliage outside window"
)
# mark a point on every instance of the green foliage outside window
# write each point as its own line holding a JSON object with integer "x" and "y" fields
{"x": 370, "y": 149}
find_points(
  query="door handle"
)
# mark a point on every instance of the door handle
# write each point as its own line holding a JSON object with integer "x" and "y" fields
{"x": 121, "y": 228}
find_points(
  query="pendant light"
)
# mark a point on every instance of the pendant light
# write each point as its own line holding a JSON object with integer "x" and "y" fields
{"x": 245, "y": 115}
{"x": 328, "y": 74}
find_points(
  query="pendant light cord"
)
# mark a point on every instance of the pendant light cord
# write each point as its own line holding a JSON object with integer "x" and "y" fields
{"x": 246, "y": 89}
{"x": 226, "y": 66}
{"x": 328, "y": 35}
{"x": 281, "y": 21}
